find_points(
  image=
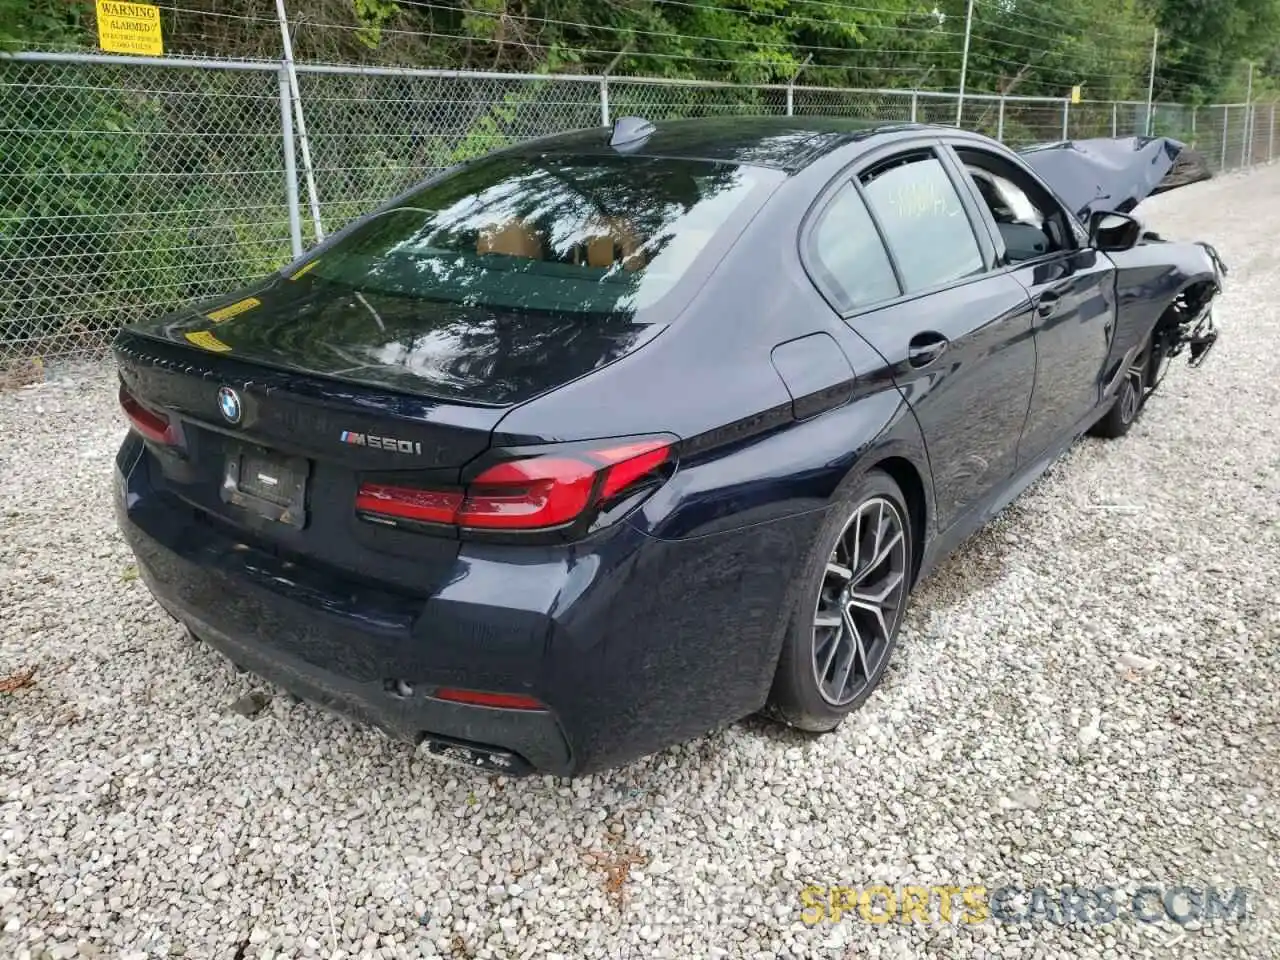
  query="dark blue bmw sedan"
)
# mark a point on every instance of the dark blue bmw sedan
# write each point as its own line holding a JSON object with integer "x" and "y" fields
{"x": 591, "y": 444}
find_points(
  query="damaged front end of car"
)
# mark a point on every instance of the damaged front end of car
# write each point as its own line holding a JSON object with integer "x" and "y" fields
{"x": 1115, "y": 174}
{"x": 1188, "y": 322}
{"x": 1179, "y": 281}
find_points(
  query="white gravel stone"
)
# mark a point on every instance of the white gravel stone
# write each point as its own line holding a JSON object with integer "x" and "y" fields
{"x": 1136, "y": 661}
{"x": 139, "y": 817}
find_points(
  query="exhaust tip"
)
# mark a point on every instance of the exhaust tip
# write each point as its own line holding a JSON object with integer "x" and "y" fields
{"x": 476, "y": 756}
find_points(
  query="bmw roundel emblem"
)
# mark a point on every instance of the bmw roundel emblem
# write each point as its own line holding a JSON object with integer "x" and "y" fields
{"x": 229, "y": 404}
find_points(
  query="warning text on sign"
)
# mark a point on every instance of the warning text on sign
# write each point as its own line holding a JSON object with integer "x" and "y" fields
{"x": 129, "y": 28}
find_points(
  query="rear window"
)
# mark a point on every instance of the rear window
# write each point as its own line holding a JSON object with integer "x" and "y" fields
{"x": 579, "y": 235}
{"x": 923, "y": 220}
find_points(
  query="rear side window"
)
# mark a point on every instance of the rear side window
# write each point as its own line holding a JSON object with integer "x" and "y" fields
{"x": 848, "y": 250}
{"x": 581, "y": 235}
{"x": 923, "y": 220}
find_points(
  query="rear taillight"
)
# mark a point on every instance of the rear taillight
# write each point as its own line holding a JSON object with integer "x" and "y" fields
{"x": 152, "y": 425}
{"x": 527, "y": 494}
{"x": 407, "y": 503}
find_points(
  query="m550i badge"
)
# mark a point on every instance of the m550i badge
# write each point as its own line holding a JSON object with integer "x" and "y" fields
{"x": 381, "y": 443}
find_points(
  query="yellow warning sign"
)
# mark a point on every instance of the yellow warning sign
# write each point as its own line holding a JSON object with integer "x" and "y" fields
{"x": 234, "y": 309}
{"x": 304, "y": 270}
{"x": 1075, "y": 93}
{"x": 129, "y": 28}
{"x": 205, "y": 339}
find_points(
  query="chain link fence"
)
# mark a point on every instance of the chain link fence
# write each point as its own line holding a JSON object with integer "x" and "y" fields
{"x": 373, "y": 134}
{"x": 127, "y": 189}
{"x": 131, "y": 186}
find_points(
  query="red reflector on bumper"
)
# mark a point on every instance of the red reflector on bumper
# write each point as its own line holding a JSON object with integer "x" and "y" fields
{"x": 482, "y": 698}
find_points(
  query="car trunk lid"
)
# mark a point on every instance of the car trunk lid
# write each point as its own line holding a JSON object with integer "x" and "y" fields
{"x": 281, "y": 464}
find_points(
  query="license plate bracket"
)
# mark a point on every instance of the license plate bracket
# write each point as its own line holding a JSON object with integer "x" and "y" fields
{"x": 267, "y": 484}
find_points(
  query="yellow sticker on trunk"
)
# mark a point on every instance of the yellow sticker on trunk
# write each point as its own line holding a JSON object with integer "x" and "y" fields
{"x": 234, "y": 309}
{"x": 206, "y": 340}
{"x": 129, "y": 28}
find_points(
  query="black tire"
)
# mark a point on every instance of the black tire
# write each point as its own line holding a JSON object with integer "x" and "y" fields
{"x": 1129, "y": 400}
{"x": 807, "y": 692}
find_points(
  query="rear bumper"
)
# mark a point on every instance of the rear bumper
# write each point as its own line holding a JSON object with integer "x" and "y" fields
{"x": 633, "y": 644}
{"x": 515, "y": 741}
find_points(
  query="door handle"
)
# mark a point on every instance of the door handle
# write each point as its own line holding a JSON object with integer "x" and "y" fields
{"x": 1047, "y": 305}
{"x": 925, "y": 348}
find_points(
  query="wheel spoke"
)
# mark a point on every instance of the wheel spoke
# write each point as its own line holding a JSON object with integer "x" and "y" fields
{"x": 836, "y": 570}
{"x": 879, "y": 558}
{"x": 857, "y": 541}
{"x": 875, "y": 609}
{"x": 856, "y": 653}
{"x": 875, "y": 550}
{"x": 831, "y": 655}
{"x": 877, "y": 597}
{"x": 827, "y": 620}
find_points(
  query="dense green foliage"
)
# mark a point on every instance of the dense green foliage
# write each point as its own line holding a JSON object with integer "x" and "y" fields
{"x": 1028, "y": 47}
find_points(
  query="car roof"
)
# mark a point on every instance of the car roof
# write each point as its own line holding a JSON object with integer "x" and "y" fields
{"x": 783, "y": 143}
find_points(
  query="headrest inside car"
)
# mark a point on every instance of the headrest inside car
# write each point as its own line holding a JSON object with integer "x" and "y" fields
{"x": 616, "y": 241}
{"x": 512, "y": 239}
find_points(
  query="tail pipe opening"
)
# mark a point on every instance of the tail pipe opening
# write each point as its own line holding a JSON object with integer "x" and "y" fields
{"x": 477, "y": 756}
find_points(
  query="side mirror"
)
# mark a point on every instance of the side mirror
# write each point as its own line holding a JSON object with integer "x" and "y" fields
{"x": 1113, "y": 232}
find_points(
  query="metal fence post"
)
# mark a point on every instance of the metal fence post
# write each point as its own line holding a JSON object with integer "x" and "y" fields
{"x": 1000, "y": 120}
{"x": 1066, "y": 118}
{"x": 1193, "y": 126}
{"x": 1244, "y": 145}
{"x": 964, "y": 64}
{"x": 1151, "y": 77}
{"x": 1247, "y": 157}
{"x": 296, "y": 95}
{"x": 915, "y": 105}
{"x": 604, "y": 101}
{"x": 791, "y": 86}
{"x": 1251, "y": 126}
{"x": 1226, "y": 115}
{"x": 1115, "y": 119}
{"x": 290, "y": 165}
{"x": 1271, "y": 133}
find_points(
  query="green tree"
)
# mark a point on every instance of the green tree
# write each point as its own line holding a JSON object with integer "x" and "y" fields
{"x": 1205, "y": 41}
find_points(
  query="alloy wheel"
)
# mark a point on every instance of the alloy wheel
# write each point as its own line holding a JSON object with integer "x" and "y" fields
{"x": 1135, "y": 382}
{"x": 1132, "y": 393}
{"x": 860, "y": 601}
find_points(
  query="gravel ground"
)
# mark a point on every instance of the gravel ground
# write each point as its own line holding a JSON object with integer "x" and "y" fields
{"x": 1085, "y": 695}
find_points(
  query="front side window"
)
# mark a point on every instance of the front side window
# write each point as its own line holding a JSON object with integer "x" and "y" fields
{"x": 1030, "y": 224}
{"x": 595, "y": 235}
{"x": 923, "y": 220}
